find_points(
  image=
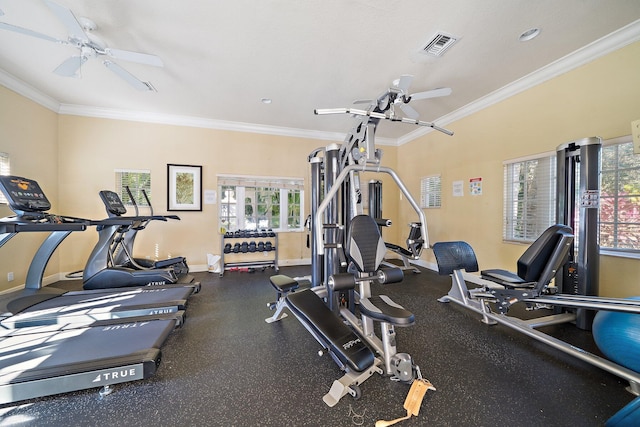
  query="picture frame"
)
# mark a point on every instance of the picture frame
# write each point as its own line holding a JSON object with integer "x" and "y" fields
{"x": 184, "y": 187}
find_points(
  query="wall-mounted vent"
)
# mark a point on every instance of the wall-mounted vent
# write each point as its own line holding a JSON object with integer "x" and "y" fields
{"x": 439, "y": 43}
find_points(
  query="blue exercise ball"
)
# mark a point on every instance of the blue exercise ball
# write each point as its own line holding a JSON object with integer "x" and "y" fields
{"x": 617, "y": 335}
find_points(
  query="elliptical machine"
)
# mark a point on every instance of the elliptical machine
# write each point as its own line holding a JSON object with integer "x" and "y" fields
{"x": 103, "y": 269}
{"x": 123, "y": 242}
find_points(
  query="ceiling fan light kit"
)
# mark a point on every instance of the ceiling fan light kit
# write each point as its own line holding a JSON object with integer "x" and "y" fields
{"x": 90, "y": 46}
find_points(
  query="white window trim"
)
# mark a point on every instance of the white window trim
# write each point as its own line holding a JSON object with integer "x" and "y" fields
{"x": 507, "y": 218}
{"x": 5, "y": 169}
{"x": 424, "y": 194}
{"x": 118, "y": 186}
{"x": 274, "y": 181}
{"x": 604, "y": 250}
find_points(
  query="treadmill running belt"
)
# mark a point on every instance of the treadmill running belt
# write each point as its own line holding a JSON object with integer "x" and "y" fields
{"x": 47, "y": 363}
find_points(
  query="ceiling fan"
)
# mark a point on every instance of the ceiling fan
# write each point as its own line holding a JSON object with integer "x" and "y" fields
{"x": 90, "y": 46}
{"x": 398, "y": 93}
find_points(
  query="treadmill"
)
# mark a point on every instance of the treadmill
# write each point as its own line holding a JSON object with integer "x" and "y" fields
{"x": 58, "y": 358}
{"x": 36, "y": 305}
{"x": 110, "y": 265}
{"x": 47, "y": 363}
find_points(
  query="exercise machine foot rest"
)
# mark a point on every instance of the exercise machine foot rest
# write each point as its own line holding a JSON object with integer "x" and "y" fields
{"x": 383, "y": 309}
{"x": 170, "y": 262}
{"x": 349, "y": 349}
{"x": 350, "y": 384}
{"x": 283, "y": 284}
{"x": 626, "y": 417}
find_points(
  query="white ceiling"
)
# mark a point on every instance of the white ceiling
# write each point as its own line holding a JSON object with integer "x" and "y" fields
{"x": 221, "y": 57}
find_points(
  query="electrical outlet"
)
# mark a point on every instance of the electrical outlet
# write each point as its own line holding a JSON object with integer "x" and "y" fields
{"x": 10, "y": 276}
{"x": 635, "y": 131}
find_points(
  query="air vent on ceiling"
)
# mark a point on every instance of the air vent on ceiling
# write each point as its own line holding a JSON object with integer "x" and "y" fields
{"x": 439, "y": 43}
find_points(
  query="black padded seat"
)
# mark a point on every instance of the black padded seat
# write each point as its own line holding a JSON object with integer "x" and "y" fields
{"x": 534, "y": 269}
{"x": 506, "y": 278}
{"x": 283, "y": 283}
{"x": 383, "y": 309}
{"x": 349, "y": 349}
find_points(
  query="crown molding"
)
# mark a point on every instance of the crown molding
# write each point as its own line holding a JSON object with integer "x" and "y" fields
{"x": 21, "y": 88}
{"x": 605, "y": 45}
{"x": 601, "y": 47}
{"x": 199, "y": 122}
{"x": 191, "y": 121}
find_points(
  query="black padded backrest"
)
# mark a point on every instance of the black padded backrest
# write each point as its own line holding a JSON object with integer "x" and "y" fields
{"x": 364, "y": 246}
{"x": 533, "y": 261}
{"x": 452, "y": 256}
{"x": 558, "y": 258}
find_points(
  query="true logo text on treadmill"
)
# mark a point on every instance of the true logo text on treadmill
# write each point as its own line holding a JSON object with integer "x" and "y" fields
{"x": 114, "y": 375}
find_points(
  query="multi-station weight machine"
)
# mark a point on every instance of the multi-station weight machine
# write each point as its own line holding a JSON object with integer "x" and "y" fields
{"x": 347, "y": 251}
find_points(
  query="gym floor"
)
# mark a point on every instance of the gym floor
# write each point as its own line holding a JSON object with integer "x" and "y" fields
{"x": 227, "y": 367}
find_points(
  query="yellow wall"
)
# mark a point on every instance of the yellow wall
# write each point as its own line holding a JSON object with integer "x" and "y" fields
{"x": 597, "y": 99}
{"x": 28, "y": 134}
{"x": 74, "y": 157}
{"x": 93, "y": 148}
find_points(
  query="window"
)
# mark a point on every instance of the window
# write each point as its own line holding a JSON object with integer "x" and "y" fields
{"x": 4, "y": 170}
{"x": 136, "y": 180}
{"x": 529, "y": 197}
{"x": 431, "y": 192}
{"x": 250, "y": 203}
{"x": 620, "y": 197}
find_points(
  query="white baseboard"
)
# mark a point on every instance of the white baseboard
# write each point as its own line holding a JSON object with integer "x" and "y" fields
{"x": 45, "y": 281}
{"x": 425, "y": 264}
{"x": 198, "y": 268}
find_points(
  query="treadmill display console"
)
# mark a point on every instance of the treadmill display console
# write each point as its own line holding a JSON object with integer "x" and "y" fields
{"x": 113, "y": 203}
{"x": 23, "y": 194}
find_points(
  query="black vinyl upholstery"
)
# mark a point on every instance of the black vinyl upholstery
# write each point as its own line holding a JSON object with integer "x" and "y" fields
{"x": 536, "y": 266}
{"x": 452, "y": 256}
{"x": 330, "y": 330}
{"x": 364, "y": 245}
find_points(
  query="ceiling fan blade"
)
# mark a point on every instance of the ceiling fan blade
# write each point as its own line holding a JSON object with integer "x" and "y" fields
{"x": 70, "y": 67}
{"x": 128, "y": 77}
{"x": 69, "y": 20}
{"x": 409, "y": 111}
{"x": 141, "y": 58}
{"x": 363, "y": 101}
{"x": 5, "y": 26}
{"x": 434, "y": 93}
{"x": 404, "y": 82}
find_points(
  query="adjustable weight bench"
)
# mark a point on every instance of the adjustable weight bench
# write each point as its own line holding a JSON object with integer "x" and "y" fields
{"x": 345, "y": 347}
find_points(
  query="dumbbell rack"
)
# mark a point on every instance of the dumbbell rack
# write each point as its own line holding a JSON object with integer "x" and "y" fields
{"x": 265, "y": 242}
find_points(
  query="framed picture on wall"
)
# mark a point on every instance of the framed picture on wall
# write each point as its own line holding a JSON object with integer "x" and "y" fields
{"x": 184, "y": 188}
